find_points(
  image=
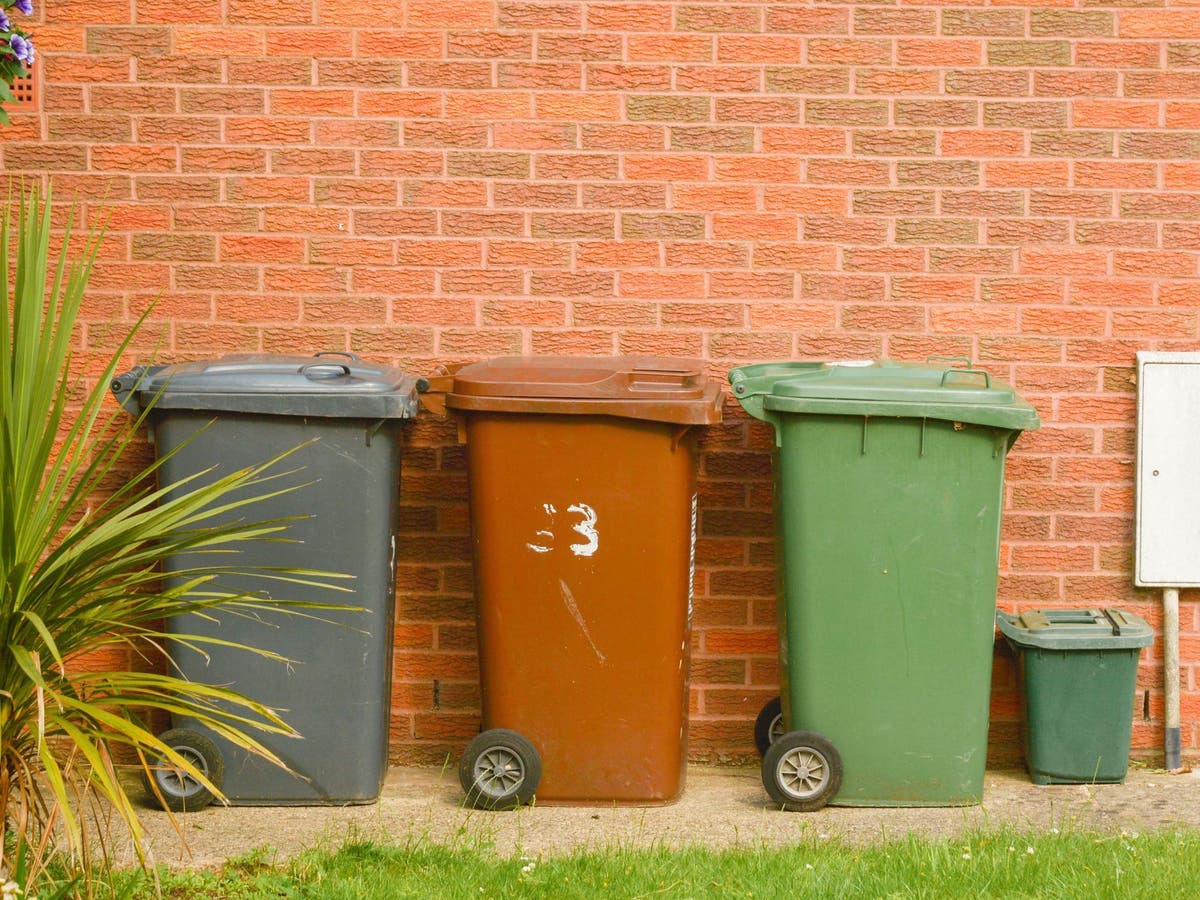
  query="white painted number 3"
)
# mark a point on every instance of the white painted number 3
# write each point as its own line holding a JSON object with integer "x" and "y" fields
{"x": 586, "y": 527}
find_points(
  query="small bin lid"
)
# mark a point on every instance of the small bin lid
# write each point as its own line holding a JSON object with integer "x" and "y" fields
{"x": 886, "y": 388}
{"x": 1076, "y": 629}
{"x": 654, "y": 388}
{"x": 329, "y": 384}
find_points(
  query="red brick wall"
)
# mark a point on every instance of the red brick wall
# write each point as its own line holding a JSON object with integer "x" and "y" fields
{"x": 428, "y": 181}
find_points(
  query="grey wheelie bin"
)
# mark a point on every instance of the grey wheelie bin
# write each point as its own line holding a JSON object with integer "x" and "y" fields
{"x": 243, "y": 410}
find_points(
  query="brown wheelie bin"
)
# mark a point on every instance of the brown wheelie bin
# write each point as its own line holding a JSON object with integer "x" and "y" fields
{"x": 583, "y": 514}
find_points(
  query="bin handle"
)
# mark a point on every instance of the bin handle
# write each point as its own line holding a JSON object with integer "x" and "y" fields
{"x": 987, "y": 379}
{"x": 1033, "y": 619}
{"x": 950, "y": 371}
{"x": 353, "y": 357}
{"x": 1112, "y": 620}
{"x": 307, "y": 370}
{"x": 438, "y": 384}
{"x": 667, "y": 371}
{"x": 657, "y": 378}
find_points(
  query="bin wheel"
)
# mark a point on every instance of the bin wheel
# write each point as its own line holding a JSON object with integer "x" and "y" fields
{"x": 181, "y": 792}
{"x": 500, "y": 769}
{"x": 802, "y": 771}
{"x": 768, "y": 727}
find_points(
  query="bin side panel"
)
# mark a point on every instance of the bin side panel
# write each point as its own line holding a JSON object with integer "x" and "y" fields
{"x": 890, "y": 528}
{"x": 1077, "y": 713}
{"x": 582, "y": 544}
{"x": 337, "y": 692}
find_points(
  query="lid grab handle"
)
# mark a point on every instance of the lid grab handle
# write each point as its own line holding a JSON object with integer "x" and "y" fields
{"x": 657, "y": 377}
{"x": 437, "y": 386}
{"x": 1112, "y": 620}
{"x": 951, "y": 370}
{"x": 322, "y": 370}
{"x": 948, "y": 373}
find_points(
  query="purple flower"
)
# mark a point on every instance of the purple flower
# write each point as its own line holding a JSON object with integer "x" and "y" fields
{"x": 22, "y": 49}
{"x": 5, "y": 24}
{"x": 25, "y": 6}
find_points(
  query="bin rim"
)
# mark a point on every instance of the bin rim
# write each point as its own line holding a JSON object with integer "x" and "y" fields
{"x": 1069, "y": 629}
{"x": 331, "y": 384}
{"x": 649, "y": 388}
{"x": 883, "y": 387}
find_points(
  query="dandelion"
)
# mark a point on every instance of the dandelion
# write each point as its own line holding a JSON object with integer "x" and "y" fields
{"x": 528, "y": 867}
{"x": 1012, "y": 849}
{"x": 809, "y": 866}
{"x": 967, "y": 853}
{"x": 1029, "y": 851}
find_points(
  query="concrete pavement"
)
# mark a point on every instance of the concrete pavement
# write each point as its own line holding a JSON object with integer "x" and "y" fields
{"x": 720, "y": 807}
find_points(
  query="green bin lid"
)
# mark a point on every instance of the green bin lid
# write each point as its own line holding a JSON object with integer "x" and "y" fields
{"x": 886, "y": 388}
{"x": 1076, "y": 629}
{"x": 329, "y": 384}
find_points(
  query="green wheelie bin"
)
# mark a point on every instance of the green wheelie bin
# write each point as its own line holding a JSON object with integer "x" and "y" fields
{"x": 889, "y": 482}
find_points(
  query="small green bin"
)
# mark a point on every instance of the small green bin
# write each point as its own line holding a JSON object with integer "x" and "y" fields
{"x": 1077, "y": 670}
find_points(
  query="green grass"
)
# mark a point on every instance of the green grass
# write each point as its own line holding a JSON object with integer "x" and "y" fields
{"x": 987, "y": 864}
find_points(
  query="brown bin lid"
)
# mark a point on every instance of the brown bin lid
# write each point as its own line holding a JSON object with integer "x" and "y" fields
{"x": 656, "y": 388}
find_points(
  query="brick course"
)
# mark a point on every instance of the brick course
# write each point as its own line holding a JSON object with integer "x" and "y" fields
{"x": 427, "y": 181}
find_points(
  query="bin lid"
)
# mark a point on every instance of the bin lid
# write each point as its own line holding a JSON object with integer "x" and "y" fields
{"x": 655, "y": 388}
{"x": 936, "y": 389}
{"x": 330, "y": 384}
{"x": 1076, "y": 629}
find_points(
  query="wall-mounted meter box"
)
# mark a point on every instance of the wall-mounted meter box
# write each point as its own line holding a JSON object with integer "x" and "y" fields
{"x": 1168, "y": 470}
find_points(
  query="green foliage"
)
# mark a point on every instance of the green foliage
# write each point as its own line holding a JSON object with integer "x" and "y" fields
{"x": 80, "y": 551}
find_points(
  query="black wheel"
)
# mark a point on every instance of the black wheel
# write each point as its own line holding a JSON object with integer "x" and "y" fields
{"x": 802, "y": 771}
{"x": 180, "y": 791}
{"x": 768, "y": 727}
{"x": 500, "y": 769}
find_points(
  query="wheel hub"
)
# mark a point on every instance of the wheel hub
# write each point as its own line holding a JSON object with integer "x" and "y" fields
{"x": 802, "y": 772}
{"x": 179, "y": 782}
{"x": 499, "y": 770}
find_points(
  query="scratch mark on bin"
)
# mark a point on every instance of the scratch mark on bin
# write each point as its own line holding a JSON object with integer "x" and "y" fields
{"x": 345, "y": 454}
{"x": 901, "y": 598}
{"x": 573, "y": 609}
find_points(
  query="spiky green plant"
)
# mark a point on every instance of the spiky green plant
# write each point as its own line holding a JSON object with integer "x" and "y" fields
{"x": 80, "y": 553}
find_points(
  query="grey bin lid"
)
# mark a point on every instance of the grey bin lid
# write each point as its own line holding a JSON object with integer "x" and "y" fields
{"x": 329, "y": 384}
{"x": 1076, "y": 629}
